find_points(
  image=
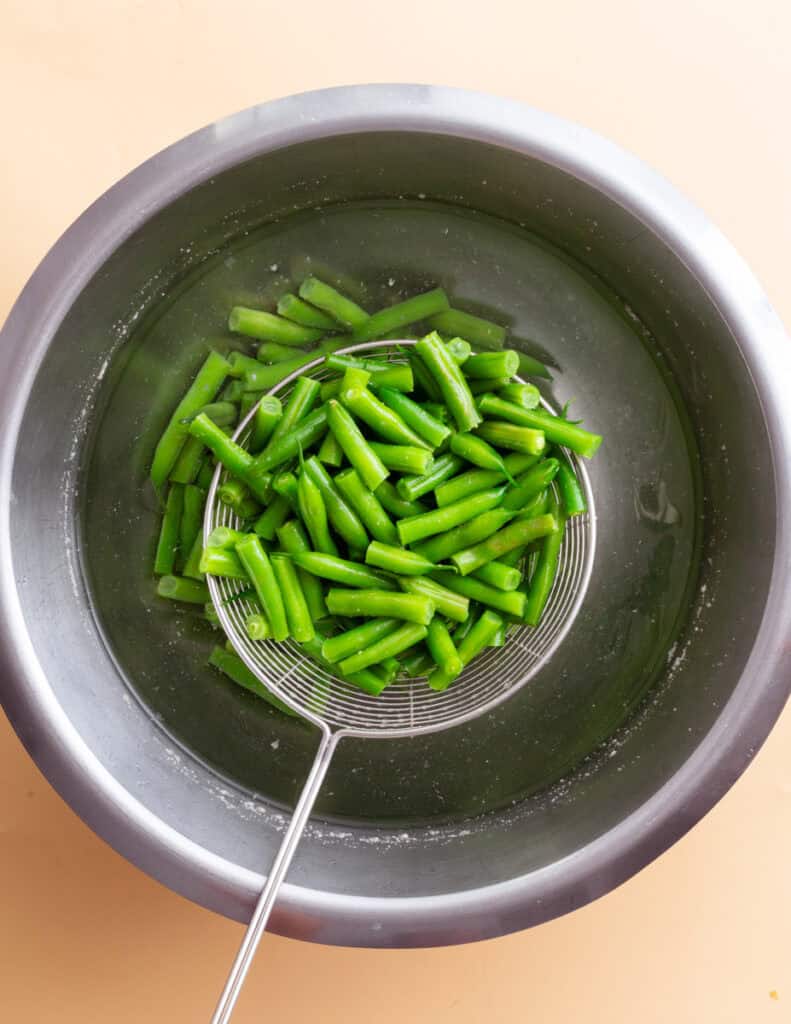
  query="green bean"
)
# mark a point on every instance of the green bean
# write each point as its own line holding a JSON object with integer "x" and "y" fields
{"x": 479, "y": 453}
{"x": 255, "y": 323}
{"x": 367, "y": 506}
{"x": 265, "y": 420}
{"x": 313, "y": 512}
{"x": 395, "y": 504}
{"x": 441, "y": 520}
{"x": 246, "y": 403}
{"x": 302, "y": 399}
{"x": 189, "y": 461}
{"x": 234, "y": 389}
{"x": 438, "y": 411}
{"x": 337, "y": 648}
{"x": 464, "y": 628}
{"x": 423, "y": 379}
{"x": 224, "y": 414}
{"x": 486, "y": 384}
{"x": 402, "y": 314}
{"x": 235, "y": 669}
{"x": 192, "y": 565}
{"x": 476, "y": 330}
{"x": 520, "y": 532}
{"x": 419, "y": 663}
{"x": 416, "y": 417}
{"x": 530, "y": 367}
{"x": 571, "y": 493}
{"x": 256, "y": 561}
{"x": 241, "y": 364}
{"x": 264, "y": 378}
{"x": 222, "y": 562}
{"x": 464, "y": 484}
{"x": 531, "y": 483}
{"x": 203, "y": 389}
{"x": 500, "y": 636}
{"x": 412, "y": 487}
{"x": 330, "y": 452}
{"x": 294, "y": 541}
{"x": 306, "y": 433}
{"x": 237, "y": 497}
{"x": 511, "y": 602}
{"x": 270, "y": 352}
{"x": 300, "y": 625}
{"x": 293, "y": 308}
{"x": 285, "y": 484}
{"x": 444, "y": 653}
{"x": 224, "y": 537}
{"x": 176, "y": 588}
{"x": 364, "y": 679}
{"x": 380, "y": 417}
{"x": 397, "y": 560}
{"x": 387, "y": 670}
{"x": 526, "y": 395}
{"x": 450, "y": 381}
{"x": 380, "y": 604}
{"x": 235, "y": 459}
{"x": 191, "y": 520}
{"x": 453, "y": 606}
{"x": 492, "y": 364}
{"x": 498, "y": 574}
{"x": 205, "y": 473}
{"x": 325, "y": 297}
{"x": 459, "y": 349}
{"x": 356, "y": 449}
{"x": 257, "y": 627}
{"x": 556, "y": 429}
{"x": 508, "y": 435}
{"x": 480, "y": 636}
{"x": 403, "y": 458}
{"x": 387, "y": 647}
{"x": 545, "y": 572}
{"x": 169, "y": 532}
{"x": 341, "y": 570}
{"x": 437, "y": 549}
{"x": 537, "y": 506}
{"x": 275, "y": 514}
{"x": 391, "y": 375}
{"x": 342, "y": 516}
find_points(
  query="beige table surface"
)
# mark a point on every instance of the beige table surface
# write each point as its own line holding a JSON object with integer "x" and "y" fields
{"x": 698, "y": 88}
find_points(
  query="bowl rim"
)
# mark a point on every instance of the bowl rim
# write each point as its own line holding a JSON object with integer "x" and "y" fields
{"x": 743, "y": 723}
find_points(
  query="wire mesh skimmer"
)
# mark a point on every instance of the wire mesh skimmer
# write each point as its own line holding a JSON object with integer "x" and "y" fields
{"x": 407, "y": 707}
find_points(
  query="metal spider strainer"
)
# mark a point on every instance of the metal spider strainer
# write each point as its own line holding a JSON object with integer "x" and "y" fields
{"x": 405, "y": 708}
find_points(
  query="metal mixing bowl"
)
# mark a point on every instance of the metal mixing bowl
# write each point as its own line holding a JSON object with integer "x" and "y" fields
{"x": 675, "y": 668}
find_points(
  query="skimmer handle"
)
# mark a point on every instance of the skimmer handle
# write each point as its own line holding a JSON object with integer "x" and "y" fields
{"x": 266, "y": 900}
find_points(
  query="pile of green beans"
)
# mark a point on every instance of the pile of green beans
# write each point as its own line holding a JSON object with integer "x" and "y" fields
{"x": 396, "y": 517}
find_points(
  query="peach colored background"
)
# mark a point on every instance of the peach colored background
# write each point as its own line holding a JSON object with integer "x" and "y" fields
{"x": 698, "y": 88}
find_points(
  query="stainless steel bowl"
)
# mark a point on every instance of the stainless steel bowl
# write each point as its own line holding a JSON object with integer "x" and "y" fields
{"x": 675, "y": 668}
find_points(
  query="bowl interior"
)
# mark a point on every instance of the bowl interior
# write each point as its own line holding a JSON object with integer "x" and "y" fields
{"x": 637, "y": 348}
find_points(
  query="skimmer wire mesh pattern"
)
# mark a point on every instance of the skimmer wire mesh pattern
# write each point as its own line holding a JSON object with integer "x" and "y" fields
{"x": 407, "y": 706}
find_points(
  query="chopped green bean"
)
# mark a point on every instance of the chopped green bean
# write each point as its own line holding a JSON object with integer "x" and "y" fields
{"x": 459, "y": 349}
{"x": 486, "y": 384}
{"x": 275, "y": 514}
{"x": 508, "y": 435}
{"x": 303, "y": 397}
{"x": 437, "y": 549}
{"x": 381, "y": 604}
{"x": 423, "y": 379}
{"x": 453, "y": 606}
{"x": 364, "y": 680}
{"x": 397, "y": 560}
{"x": 341, "y": 570}
{"x": 342, "y": 516}
{"x": 412, "y": 487}
{"x": 265, "y": 420}
{"x": 556, "y": 429}
{"x": 545, "y": 572}
{"x": 464, "y": 484}
{"x": 388, "y": 669}
{"x": 177, "y": 588}
{"x": 480, "y": 636}
{"x": 403, "y": 458}
{"x": 395, "y": 504}
{"x": 571, "y": 494}
{"x": 255, "y": 323}
{"x": 445, "y": 655}
{"x": 326, "y": 298}
{"x": 224, "y": 537}
{"x": 222, "y": 562}
{"x": 189, "y": 462}
{"x": 356, "y": 449}
{"x": 479, "y": 453}
{"x": 293, "y": 308}
{"x": 419, "y": 663}
{"x": 511, "y": 602}
{"x": 259, "y": 569}
{"x": 205, "y": 473}
{"x": 415, "y": 416}
{"x": 285, "y": 484}
{"x": 300, "y": 625}
{"x": 475, "y": 329}
{"x": 380, "y": 417}
{"x": 191, "y": 521}
{"x": 367, "y": 506}
{"x": 388, "y": 646}
{"x": 293, "y": 541}
{"x": 337, "y": 648}
{"x": 402, "y": 314}
{"x": 391, "y": 375}
{"x": 169, "y": 533}
{"x": 241, "y": 364}
{"x": 526, "y": 395}
{"x": 264, "y": 378}
{"x": 313, "y": 513}
{"x": 498, "y": 574}
{"x": 492, "y": 364}
{"x": 237, "y": 497}
{"x": 536, "y": 479}
{"x": 307, "y": 432}
{"x": 235, "y": 459}
{"x": 192, "y": 565}
{"x": 450, "y": 381}
{"x": 441, "y": 520}
{"x": 330, "y": 452}
{"x": 516, "y": 534}
{"x": 257, "y": 627}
